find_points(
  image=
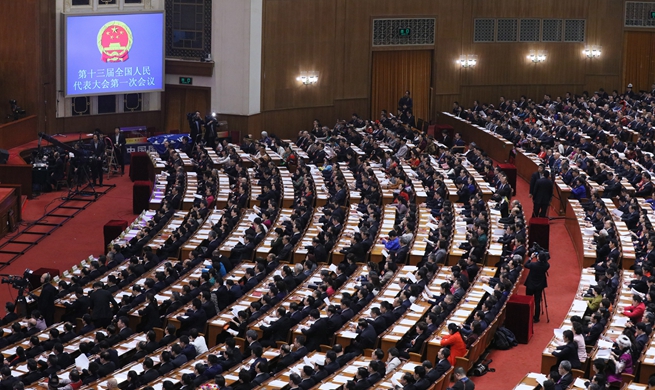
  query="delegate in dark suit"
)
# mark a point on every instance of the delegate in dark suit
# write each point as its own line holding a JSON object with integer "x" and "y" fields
{"x": 316, "y": 334}
{"x": 46, "y": 303}
{"x": 543, "y": 193}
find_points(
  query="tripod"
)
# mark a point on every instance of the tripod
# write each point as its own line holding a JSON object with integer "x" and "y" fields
{"x": 544, "y": 305}
{"x": 81, "y": 177}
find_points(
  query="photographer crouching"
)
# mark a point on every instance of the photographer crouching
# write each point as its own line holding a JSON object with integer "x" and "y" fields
{"x": 537, "y": 281}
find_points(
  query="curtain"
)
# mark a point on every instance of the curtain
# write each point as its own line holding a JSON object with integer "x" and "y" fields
{"x": 395, "y": 72}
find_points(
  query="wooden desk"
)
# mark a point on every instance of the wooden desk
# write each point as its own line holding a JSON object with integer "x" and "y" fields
{"x": 217, "y": 323}
{"x": 313, "y": 230}
{"x": 321, "y": 191}
{"x": 494, "y": 145}
{"x": 213, "y": 218}
{"x": 346, "y": 373}
{"x": 281, "y": 379}
{"x": 386, "y": 225}
{"x": 462, "y": 312}
{"x": 415, "y": 313}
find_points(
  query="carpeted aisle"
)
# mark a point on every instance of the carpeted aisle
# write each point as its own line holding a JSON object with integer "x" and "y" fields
{"x": 512, "y": 365}
{"x": 76, "y": 239}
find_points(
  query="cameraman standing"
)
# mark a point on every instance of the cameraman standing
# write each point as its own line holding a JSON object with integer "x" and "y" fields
{"x": 46, "y": 302}
{"x": 536, "y": 281}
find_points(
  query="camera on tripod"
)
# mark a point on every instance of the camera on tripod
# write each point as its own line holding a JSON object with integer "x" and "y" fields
{"x": 539, "y": 252}
{"x": 18, "y": 282}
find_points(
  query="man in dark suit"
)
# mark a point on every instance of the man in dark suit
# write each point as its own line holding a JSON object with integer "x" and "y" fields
{"x": 78, "y": 307}
{"x": 285, "y": 359}
{"x": 340, "y": 196}
{"x": 120, "y": 148}
{"x": 379, "y": 322}
{"x": 563, "y": 378}
{"x": 46, "y": 303}
{"x": 400, "y": 256}
{"x": 98, "y": 155}
{"x": 261, "y": 373}
{"x": 543, "y": 193}
{"x": 443, "y": 365}
{"x": 124, "y": 330}
{"x": 10, "y": 316}
{"x": 612, "y": 186}
{"x": 178, "y": 357}
{"x": 8, "y": 380}
{"x": 33, "y": 373}
{"x": 595, "y": 330}
{"x": 150, "y": 374}
{"x": 101, "y": 312}
{"x": 366, "y": 338}
{"x": 317, "y": 333}
{"x": 195, "y": 125}
{"x": 415, "y": 344}
{"x": 108, "y": 366}
{"x": 422, "y": 382}
{"x": 287, "y": 248}
{"x": 193, "y": 317}
{"x": 536, "y": 281}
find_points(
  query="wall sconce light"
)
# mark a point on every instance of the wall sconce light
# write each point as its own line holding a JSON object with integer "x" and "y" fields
{"x": 308, "y": 78}
{"x": 537, "y": 56}
{"x": 592, "y": 51}
{"x": 467, "y": 60}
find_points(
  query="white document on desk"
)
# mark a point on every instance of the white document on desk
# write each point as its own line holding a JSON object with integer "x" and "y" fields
{"x": 82, "y": 361}
{"x": 488, "y": 289}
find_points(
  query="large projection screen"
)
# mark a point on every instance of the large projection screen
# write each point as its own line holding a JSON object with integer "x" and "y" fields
{"x": 107, "y": 54}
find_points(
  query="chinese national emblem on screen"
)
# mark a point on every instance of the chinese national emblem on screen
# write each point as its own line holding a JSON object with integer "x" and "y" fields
{"x": 115, "y": 41}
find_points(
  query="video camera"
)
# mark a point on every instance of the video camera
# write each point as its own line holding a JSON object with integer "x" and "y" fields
{"x": 539, "y": 252}
{"x": 18, "y": 282}
{"x": 16, "y": 111}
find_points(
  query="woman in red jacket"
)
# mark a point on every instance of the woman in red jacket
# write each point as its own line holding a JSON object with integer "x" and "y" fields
{"x": 455, "y": 342}
{"x": 636, "y": 311}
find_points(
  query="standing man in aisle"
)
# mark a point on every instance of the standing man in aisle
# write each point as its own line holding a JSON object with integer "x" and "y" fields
{"x": 542, "y": 195}
{"x": 120, "y": 149}
{"x": 536, "y": 281}
{"x": 97, "y": 157}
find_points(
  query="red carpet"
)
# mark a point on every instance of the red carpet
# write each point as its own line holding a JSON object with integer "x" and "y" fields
{"x": 512, "y": 365}
{"x": 76, "y": 239}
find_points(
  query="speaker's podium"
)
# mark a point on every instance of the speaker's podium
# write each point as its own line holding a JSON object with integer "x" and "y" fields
{"x": 539, "y": 232}
{"x": 520, "y": 310}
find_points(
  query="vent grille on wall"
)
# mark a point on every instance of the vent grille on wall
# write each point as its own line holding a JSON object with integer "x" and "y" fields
{"x": 574, "y": 30}
{"x": 529, "y": 30}
{"x": 484, "y": 30}
{"x": 507, "y": 30}
{"x": 401, "y": 32}
{"x": 552, "y": 30}
{"x": 639, "y": 14}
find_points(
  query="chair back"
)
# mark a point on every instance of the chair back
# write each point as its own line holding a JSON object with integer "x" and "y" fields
{"x": 445, "y": 379}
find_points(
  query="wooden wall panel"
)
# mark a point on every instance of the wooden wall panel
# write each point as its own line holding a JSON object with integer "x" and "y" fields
{"x": 18, "y": 132}
{"x": 107, "y": 122}
{"x": 503, "y": 67}
{"x": 19, "y": 70}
